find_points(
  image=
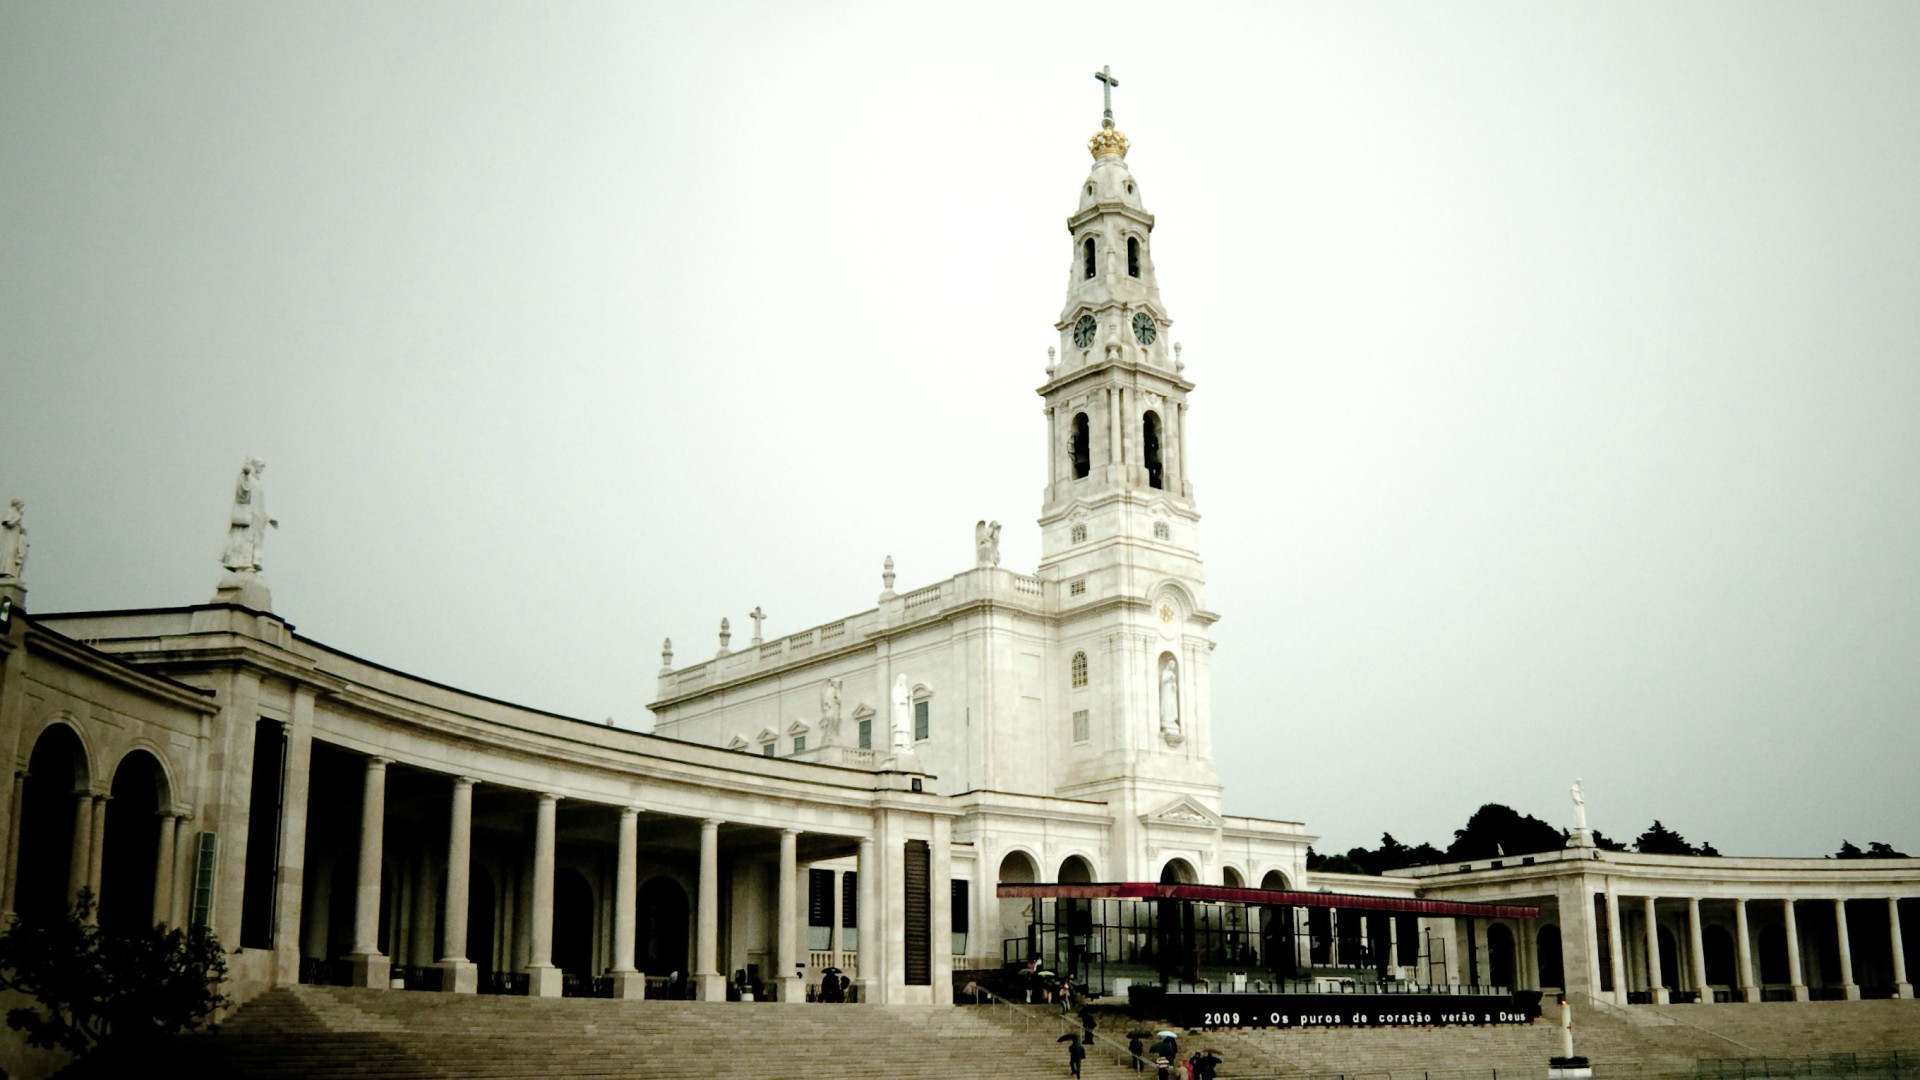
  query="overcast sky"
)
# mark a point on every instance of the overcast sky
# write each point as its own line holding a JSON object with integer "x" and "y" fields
{"x": 1557, "y": 363}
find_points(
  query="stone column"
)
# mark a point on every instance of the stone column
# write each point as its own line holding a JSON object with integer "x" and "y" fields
{"x": 290, "y": 875}
{"x": 543, "y": 979}
{"x": 866, "y": 900}
{"x": 787, "y": 955}
{"x": 459, "y": 974}
{"x": 1901, "y": 987}
{"x": 1656, "y": 979}
{"x": 940, "y": 885}
{"x": 1698, "y": 959}
{"x": 369, "y": 966}
{"x": 1847, "y": 985}
{"x": 1616, "y": 948}
{"x": 13, "y": 843}
{"x": 1793, "y": 952}
{"x": 97, "y": 848}
{"x": 836, "y": 934}
{"x": 163, "y": 871}
{"x": 627, "y": 982}
{"x": 1743, "y": 953}
{"x": 709, "y": 984}
{"x": 80, "y": 856}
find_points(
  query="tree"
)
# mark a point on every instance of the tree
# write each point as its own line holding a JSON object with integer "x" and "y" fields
{"x": 1495, "y": 831}
{"x": 1660, "y": 840}
{"x": 98, "y": 988}
{"x": 1875, "y": 850}
{"x": 1605, "y": 843}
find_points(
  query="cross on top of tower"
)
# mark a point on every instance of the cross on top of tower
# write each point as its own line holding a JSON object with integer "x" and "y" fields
{"x": 1107, "y": 83}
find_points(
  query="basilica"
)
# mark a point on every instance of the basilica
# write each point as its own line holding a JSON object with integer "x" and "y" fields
{"x": 957, "y": 776}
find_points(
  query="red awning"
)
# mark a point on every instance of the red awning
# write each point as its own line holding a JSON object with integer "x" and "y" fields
{"x": 1147, "y": 890}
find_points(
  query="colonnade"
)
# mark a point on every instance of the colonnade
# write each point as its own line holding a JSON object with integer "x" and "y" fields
{"x": 1747, "y": 985}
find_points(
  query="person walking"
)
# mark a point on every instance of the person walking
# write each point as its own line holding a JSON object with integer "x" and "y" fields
{"x": 1138, "y": 1050}
{"x": 1087, "y": 1024}
{"x": 1076, "y": 1051}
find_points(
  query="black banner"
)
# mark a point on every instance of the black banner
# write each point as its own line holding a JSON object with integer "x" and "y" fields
{"x": 1331, "y": 1010}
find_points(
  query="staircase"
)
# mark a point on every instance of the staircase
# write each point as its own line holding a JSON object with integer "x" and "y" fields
{"x": 326, "y": 1032}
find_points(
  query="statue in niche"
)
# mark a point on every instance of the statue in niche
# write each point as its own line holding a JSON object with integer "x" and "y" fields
{"x": 13, "y": 543}
{"x": 902, "y": 716}
{"x": 247, "y": 525}
{"x": 1169, "y": 697}
{"x": 986, "y": 543}
{"x": 830, "y": 710}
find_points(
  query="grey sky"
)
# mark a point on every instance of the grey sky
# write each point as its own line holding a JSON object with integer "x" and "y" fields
{"x": 1557, "y": 363}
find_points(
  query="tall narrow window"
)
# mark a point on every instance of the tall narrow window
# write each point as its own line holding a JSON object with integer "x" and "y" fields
{"x": 1086, "y": 255}
{"x": 263, "y": 834}
{"x": 1082, "y": 450}
{"x": 1079, "y": 669}
{"x": 1150, "y": 444}
{"x": 1080, "y": 725}
{"x": 866, "y": 733}
{"x": 1133, "y": 257}
{"x": 922, "y": 722}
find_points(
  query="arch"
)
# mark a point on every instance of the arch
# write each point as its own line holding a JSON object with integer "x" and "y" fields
{"x": 1133, "y": 257}
{"x": 128, "y": 863}
{"x": 1080, "y": 453}
{"x": 1550, "y": 966}
{"x": 1150, "y": 448}
{"x": 1232, "y": 878}
{"x": 573, "y": 922}
{"x": 57, "y": 775}
{"x": 1079, "y": 669}
{"x": 1087, "y": 261}
{"x": 1716, "y": 955}
{"x": 1076, "y": 870}
{"x": 1500, "y": 955}
{"x": 1773, "y": 954}
{"x": 1017, "y": 943}
{"x": 662, "y": 927}
{"x": 1276, "y": 880}
{"x": 1178, "y": 871}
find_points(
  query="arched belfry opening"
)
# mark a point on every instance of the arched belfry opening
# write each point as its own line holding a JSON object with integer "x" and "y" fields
{"x": 1150, "y": 447}
{"x": 1081, "y": 450}
{"x": 1133, "y": 257}
{"x": 1086, "y": 256}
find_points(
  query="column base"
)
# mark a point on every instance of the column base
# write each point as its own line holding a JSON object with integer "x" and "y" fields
{"x": 459, "y": 977}
{"x": 793, "y": 989}
{"x": 1750, "y": 995}
{"x": 1799, "y": 992}
{"x": 710, "y": 987}
{"x": 1851, "y": 990}
{"x": 1660, "y": 996}
{"x": 369, "y": 970}
{"x": 869, "y": 991}
{"x": 1903, "y": 990}
{"x": 543, "y": 980}
{"x": 628, "y": 985}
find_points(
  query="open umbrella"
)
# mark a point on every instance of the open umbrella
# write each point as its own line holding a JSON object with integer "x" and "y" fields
{"x": 1166, "y": 1035}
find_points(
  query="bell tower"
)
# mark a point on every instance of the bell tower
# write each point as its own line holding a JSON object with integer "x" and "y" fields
{"x": 1119, "y": 527}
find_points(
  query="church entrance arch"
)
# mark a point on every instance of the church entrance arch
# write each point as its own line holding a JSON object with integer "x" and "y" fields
{"x": 57, "y": 779}
{"x": 1500, "y": 963}
{"x": 663, "y": 925}
{"x": 1177, "y": 871}
{"x": 129, "y": 863}
{"x": 1547, "y": 949}
{"x": 1016, "y": 914}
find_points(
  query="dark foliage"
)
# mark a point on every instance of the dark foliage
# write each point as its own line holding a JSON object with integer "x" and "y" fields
{"x": 1660, "y": 840}
{"x": 97, "y": 988}
{"x": 1875, "y": 850}
{"x": 1495, "y": 831}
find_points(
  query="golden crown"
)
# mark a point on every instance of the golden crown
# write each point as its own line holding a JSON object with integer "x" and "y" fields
{"x": 1108, "y": 141}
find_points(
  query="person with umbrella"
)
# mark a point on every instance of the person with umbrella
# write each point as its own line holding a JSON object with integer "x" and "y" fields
{"x": 830, "y": 985}
{"x": 1137, "y": 1049}
{"x": 1076, "y": 1051}
{"x": 1204, "y": 1064}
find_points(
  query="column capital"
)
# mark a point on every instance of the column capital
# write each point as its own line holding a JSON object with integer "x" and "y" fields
{"x": 464, "y": 781}
{"x": 711, "y": 823}
{"x": 375, "y": 761}
{"x": 548, "y": 796}
{"x": 789, "y": 832}
{"x": 629, "y": 811}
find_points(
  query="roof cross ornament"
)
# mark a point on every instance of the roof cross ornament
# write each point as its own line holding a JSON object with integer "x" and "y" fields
{"x": 1107, "y": 83}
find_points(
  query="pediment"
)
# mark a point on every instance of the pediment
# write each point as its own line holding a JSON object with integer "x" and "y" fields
{"x": 768, "y": 735}
{"x": 738, "y": 742}
{"x": 1184, "y": 812}
{"x": 863, "y": 711}
{"x": 798, "y": 727}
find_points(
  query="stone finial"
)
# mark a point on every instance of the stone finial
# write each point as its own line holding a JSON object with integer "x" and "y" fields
{"x": 758, "y": 617}
{"x": 886, "y": 575}
{"x": 666, "y": 653}
{"x": 1179, "y": 364}
{"x": 13, "y": 543}
{"x": 726, "y": 635}
{"x": 1050, "y": 362}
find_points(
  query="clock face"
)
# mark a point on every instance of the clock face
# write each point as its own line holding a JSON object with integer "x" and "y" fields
{"x": 1144, "y": 328}
{"x": 1084, "y": 330}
